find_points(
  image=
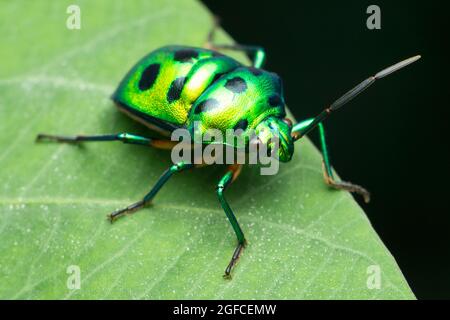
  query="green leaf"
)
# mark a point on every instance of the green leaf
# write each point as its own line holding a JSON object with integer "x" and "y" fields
{"x": 305, "y": 240}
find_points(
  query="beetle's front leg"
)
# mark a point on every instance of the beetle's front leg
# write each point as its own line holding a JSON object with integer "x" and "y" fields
{"x": 327, "y": 171}
{"x": 226, "y": 180}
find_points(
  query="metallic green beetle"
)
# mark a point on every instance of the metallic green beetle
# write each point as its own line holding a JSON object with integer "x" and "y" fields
{"x": 176, "y": 86}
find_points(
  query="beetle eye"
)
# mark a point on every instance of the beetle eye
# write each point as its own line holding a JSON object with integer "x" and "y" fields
{"x": 288, "y": 122}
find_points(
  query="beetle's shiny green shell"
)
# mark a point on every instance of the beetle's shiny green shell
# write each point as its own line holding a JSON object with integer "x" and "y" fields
{"x": 162, "y": 87}
{"x": 175, "y": 85}
{"x": 240, "y": 99}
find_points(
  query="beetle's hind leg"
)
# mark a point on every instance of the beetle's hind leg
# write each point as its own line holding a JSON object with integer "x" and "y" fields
{"x": 257, "y": 52}
{"x": 328, "y": 172}
{"x": 149, "y": 196}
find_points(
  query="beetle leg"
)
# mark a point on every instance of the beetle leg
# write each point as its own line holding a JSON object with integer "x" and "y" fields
{"x": 257, "y": 52}
{"x": 124, "y": 137}
{"x": 226, "y": 180}
{"x": 327, "y": 171}
{"x": 149, "y": 196}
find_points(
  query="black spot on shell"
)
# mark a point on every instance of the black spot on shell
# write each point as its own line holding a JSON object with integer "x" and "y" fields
{"x": 275, "y": 101}
{"x": 175, "y": 89}
{"x": 185, "y": 55}
{"x": 206, "y": 105}
{"x": 149, "y": 76}
{"x": 236, "y": 84}
{"x": 242, "y": 125}
{"x": 255, "y": 71}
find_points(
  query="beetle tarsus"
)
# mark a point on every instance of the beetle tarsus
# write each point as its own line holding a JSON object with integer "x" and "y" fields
{"x": 111, "y": 217}
{"x": 54, "y": 138}
{"x": 128, "y": 210}
{"x": 343, "y": 185}
{"x": 234, "y": 259}
{"x": 114, "y": 215}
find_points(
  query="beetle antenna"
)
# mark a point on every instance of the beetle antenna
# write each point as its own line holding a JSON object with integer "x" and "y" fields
{"x": 300, "y": 131}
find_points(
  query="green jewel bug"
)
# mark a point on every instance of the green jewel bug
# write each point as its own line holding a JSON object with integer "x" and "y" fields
{"x": 175, "y": 86}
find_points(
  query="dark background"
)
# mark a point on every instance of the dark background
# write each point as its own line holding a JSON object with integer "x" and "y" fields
{"x": 393, "y": 138}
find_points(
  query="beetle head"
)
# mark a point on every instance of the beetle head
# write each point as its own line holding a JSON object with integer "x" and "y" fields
{"x": 275, "y": 133}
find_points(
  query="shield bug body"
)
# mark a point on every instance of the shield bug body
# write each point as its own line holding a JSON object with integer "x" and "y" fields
{"x": 177, "y": 86}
